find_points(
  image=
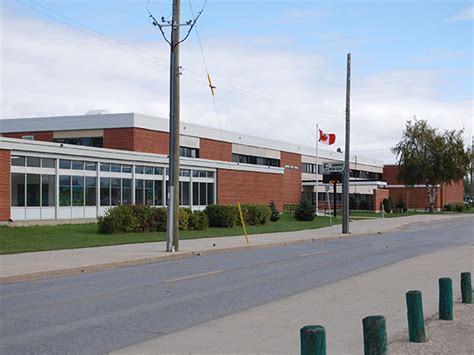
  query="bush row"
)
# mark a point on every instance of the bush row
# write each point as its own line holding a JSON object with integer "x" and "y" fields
{"x": 228, "y": 216}
{"x": 139, "y": 218}
{"x": 457, "y": 207}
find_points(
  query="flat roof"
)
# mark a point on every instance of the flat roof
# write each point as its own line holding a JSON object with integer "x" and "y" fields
{"x": 138, "y": 120}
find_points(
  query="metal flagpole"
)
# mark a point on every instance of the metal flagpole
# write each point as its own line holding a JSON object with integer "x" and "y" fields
{"x": 317, "y": 170}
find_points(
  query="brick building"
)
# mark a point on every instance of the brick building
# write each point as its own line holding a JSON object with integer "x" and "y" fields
{"x": 416, "y": 197}
{"x": 72, "y": 167}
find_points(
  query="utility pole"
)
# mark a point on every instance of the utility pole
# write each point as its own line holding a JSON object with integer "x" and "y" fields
{"x": 345, "y": 182}
{"x": 172, "y": 230}
{"x": 172, "y": 241}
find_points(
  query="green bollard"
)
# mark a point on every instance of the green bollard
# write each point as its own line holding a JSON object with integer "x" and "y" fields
{"x": 466, "y": 287}
{"x": 445, "y": 298}
{"x": 416, "y": 324}
{"x": 313, "y": 340}
{"x": 375, "y": 335}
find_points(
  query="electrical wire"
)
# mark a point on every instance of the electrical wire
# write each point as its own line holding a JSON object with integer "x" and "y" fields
{"x": 132, "y": 50}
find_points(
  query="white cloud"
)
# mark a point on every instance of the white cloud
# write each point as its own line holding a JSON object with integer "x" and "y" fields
{"x": 464, "y": 15}
{"x": 48, "y": 69}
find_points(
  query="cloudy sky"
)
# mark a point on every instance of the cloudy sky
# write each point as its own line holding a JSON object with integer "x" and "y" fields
{"x": 279, "y": 66}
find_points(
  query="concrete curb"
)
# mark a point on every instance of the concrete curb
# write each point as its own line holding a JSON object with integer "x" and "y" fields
{"x": 186, "y": 254}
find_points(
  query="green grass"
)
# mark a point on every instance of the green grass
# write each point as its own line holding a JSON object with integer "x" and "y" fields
{"x": 356, "y": 215}
{"x": 41, "y": 238}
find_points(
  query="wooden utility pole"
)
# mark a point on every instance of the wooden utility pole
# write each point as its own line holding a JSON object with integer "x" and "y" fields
{"x": 173, "y": 193}
{"x": 345, "y": 181}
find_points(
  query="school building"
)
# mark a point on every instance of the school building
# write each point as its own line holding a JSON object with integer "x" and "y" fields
{"x": 76, "y": 167}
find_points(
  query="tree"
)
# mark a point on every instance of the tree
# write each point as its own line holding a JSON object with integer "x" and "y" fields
{"x": 430, "y": 158}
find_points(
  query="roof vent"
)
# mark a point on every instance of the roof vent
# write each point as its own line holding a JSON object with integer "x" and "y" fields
{"x": 96, "y": 112}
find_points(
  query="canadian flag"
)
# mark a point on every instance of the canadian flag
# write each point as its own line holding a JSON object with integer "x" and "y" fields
{"x": 329, "y": 138}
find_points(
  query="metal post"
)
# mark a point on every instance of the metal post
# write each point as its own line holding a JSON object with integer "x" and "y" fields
{"x": 345, "y": 184}
{"x": 317, "y": 170}
{"x": 172, "y": 241}
{"x": 334, "y": 197}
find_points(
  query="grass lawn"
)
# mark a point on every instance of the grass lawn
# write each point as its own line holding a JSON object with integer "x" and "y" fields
{"x": 357, "y": 215}
{"x": 40, "y": 238}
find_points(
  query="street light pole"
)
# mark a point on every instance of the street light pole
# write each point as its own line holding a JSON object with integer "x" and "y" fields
{"x": 345, "y": 182}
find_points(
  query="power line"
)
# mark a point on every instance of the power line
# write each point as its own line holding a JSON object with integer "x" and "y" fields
{"x": 132, "y": 50}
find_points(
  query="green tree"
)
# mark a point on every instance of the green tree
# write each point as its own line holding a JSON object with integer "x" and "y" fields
{"x": 430, "y": 158}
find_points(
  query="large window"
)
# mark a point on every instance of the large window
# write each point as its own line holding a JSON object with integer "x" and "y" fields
{"x": 158, "y": 193}
{"x": 311, "y": 168}
{"x": 87, "y": 141}
{"x": 126, "y": 191}
{"x": 115, "y": 185}
{"x": 189, "y": 152}
{"x": 48, "y": 191}
{"x": 105, "y": 191}
{"x": 33, "y": 195}
{"x": 64, "y": 190}
{"x": 203, "y": 193}
{"x": 249, "y": 159}
{"x": 91, "y": 191}
{"x": 18, "y": 190}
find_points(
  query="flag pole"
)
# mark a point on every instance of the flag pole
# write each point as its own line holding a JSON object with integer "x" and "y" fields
{"x": 317, "y": 169}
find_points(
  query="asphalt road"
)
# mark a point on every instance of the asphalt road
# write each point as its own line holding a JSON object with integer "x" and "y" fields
{"x": 99, "y": 312}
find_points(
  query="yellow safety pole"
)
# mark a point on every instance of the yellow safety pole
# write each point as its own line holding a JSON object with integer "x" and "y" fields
{"x": 243, "y": 223}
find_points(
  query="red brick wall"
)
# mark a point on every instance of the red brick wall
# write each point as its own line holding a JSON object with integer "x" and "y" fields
{"x": 215, "y": 150}
{"x": 390, "y": 174}
{"x": 417, "y": 197}
{"x": 291, "y": 178}
{"x": 39, "y": 136}
{"x": 4, "y": 185}
{"x": 453, "y": 193}
{"x": 378, "y": 196}
{"x": 249, "y": 187}
{"x": 136, "y": 139}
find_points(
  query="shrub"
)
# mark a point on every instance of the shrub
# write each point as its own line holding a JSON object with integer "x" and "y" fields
{"x": 455, "y": 207}
{"x": 400, "y": 206}
{"x": 159, "y": 217}
{"x": 222, "y": 216}
{"x": 142, "y": 214}
{"x": 290, "y": 208}
{"x": 305, "y": 211}
{"x": 256, "y": 214}
{"x": 352, "y": 203}
{"x": 118, "y": 219}
{"x": 459, "y": 207}
{"x": 184, "y": 218}
{"x": 448, "y": 207}
{"x": 387, "y": 205}
{"x": 275, "y": 215}
{"x": 198, "y": 220}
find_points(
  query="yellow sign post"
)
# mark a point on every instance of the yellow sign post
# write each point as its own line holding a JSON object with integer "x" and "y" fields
{"x": 243, "y": 223}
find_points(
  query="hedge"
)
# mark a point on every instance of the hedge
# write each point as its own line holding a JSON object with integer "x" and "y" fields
{"x": 222, "y": 216}
{"x": 305, "y": 211}
{"x": 139, "y": 218}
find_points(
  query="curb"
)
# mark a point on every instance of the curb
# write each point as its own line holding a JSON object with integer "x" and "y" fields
{"x": 187, "y": 254}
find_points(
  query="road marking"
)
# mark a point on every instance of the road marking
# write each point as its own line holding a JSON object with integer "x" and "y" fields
{"x": 195, "y": 276}
{"x": 315, "y": 253}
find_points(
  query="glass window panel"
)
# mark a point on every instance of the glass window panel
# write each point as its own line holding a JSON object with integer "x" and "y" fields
{"x": 89, "y": 165}
{"x": 48, "y": 190}
{"x": 115, "y": 168}
{"x": 115, "y": 192}
{"x": 167, "y": 171}
{"x": 18, "y": 190}
{"x": 18, "y": 161}
{"x": 158, "y": 171}
{"x": 202, "y": 173}
{"x": 64, "y": 164}
{"x": 104, "y": 167}
{"x": 33, "y": 162}
{"x": 210, "y": 193}
{"x": 126, "y": 168}
{"x": 158, "y": 193}
{"x": 185, "y": 193}
{"x": 185, "y": 172}
{"x": 202, "y": 194}
{"x": 195, "y": 173}
{"x": 77, "y": 190}
{"x": 149, "y": 170}
{"x": 48, "y": 163}
{"x": 91, "y": 191}
{"x": 105, "y": 191}
{"x": 139, "y": 169}
{"x": 138, "y": 192}
{"x": 126, "y": 191}
{"x": 64, "y": 190}
{"x": 210, "y": 174}
{"x": 77, "y": 165}
{"x": 149, "y": 192}
{"x": 195, "y": 194}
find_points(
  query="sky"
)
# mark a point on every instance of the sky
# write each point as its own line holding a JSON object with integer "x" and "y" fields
{"x": 279, "y": 66}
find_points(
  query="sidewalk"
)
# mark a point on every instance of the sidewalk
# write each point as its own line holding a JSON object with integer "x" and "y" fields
{"x": 38, "y": 265}
{"x": 273, "y": 328}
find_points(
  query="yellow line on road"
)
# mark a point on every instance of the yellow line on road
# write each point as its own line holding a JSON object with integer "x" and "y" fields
{"x": 195, "y": 276}
{"x": 315, "y": 253}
